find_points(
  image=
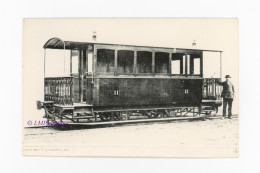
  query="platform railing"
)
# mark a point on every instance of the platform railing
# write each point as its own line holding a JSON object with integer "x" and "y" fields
{"x": 211, "y": 90}
{"x": 59, "y": 90}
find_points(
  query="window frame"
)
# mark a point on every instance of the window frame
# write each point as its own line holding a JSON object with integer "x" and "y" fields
{"x": 114, "y": 67}
{"x": 168, "y": 63}
{"x": 137, "y": 70}
{"x": 133, "y": 65}
{"x": 182, "y": 63}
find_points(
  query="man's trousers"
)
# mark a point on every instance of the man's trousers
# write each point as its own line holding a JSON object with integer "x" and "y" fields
{"x": 227, "y": 101}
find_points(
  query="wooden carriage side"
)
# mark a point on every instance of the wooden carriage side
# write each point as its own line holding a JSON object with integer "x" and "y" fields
{"x": 147, "y": 79}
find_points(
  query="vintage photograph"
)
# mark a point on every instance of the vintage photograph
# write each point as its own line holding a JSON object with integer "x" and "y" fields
{"x": 131, "y": 87}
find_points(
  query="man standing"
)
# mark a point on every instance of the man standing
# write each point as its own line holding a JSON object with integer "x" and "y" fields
{"x": 228, "y": 96}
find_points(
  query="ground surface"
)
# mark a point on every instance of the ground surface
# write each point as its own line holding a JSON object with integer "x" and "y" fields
{"x": 211, "y": 138}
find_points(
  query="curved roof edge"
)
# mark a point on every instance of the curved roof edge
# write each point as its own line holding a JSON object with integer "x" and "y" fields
{"x": 52, "y": 42}
{"x": 57, "y": 43}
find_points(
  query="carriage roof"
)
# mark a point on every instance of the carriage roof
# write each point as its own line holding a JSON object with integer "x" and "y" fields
{"x": 57, "y": 43}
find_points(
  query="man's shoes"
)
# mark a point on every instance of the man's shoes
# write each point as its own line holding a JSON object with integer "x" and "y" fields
{"x": 229, "y": 117}
{"x": 223, "y": 118}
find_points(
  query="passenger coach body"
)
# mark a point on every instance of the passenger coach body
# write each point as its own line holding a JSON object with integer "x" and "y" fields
{"x": 111, "y": 77}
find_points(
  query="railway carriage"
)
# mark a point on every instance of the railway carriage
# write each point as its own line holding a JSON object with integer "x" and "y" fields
{"x": 125, "y": 83}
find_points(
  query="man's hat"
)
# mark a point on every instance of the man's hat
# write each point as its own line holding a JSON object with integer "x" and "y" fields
{"x": 228, "y": 76}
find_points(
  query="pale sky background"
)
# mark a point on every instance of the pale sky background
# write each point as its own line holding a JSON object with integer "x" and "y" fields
{"x": 210, "y": 34}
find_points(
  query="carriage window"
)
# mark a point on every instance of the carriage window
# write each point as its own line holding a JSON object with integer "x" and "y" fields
{"x": 75, "y": 60}
{"x": 194, "y": 64}
{"x": 105, "y": 60}
{"x": 144, "y": 62}
{"x": 161, "y": 62}
{"x": 178, "y": 64}
{"x": 125, "y": 60}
